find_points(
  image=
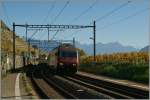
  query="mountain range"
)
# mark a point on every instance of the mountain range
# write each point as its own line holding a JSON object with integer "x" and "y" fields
{"x": 107, "y": 48}
{"x": 145, "y": 49}
{"x": 101, "y": 48}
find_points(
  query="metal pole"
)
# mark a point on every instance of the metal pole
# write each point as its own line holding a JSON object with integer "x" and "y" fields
{"x": 14, "y": 53}
{"x": 34, "y": 56}
{"x": 74, "y": 42}
{"x": 28, "y": 50}
{"x": 26, "y": 41}
{"x": 39, "y": 49}
{"x": 94, "y": 40}
{"x": 48, "y": 34}
{"x": 26, "y": 34}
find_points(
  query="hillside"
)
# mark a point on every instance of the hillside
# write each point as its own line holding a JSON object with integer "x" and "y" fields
{"x": 7, "y": 41}
{"x": 145, "y": 49}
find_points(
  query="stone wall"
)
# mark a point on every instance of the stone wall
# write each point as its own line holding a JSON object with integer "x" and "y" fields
{"x": 7, "y": 62}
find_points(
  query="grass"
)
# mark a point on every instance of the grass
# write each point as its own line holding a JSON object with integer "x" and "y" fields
{"x": 133, "y": 72}
{"x": 28, "y": 88}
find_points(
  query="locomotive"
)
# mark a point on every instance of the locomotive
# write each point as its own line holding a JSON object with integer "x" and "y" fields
{"x": 63, "y": 59}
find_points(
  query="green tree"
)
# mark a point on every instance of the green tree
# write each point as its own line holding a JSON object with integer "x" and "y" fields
{"x": 81, "y": 52}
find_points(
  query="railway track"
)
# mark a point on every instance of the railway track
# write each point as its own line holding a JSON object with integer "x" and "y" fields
{"x": 57, "y": 87}
{"x": 70, "y": 90}
{"x": 42, "y": 81}
{"x": 43, "y": 89}
{"x": 112, "y": 89}
{"x": 82, "y": 87}
{"x": 37, "y": 85}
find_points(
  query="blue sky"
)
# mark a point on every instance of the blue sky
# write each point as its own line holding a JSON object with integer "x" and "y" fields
{"x": 133, "y": 31}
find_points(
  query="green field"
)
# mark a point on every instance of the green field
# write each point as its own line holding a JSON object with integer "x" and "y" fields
{"x": 138, "y": 73}
{"x": 130, "y": 66}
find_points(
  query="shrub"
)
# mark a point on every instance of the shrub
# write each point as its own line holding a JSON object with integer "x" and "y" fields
{"x": 139, "y": 73}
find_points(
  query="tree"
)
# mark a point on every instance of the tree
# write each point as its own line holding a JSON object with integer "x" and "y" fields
{"x": 81, "y": 52}
{"x": 33, "y": 53}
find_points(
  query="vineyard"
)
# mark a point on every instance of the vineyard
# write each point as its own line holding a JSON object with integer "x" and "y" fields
{"x": 132, "y": 66}
{"x": 120, "y": 58}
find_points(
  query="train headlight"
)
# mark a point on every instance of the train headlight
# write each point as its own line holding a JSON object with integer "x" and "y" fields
{"x": 74, "y": 64}
{"x": 61, "y": 64}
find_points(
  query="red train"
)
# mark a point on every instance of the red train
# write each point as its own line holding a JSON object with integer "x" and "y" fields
{"x": 63, "y": 59}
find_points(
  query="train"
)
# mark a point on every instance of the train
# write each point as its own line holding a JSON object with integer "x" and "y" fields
{"x": 63, "y": 59}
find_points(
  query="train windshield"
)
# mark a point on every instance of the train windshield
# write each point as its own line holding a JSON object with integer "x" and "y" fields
{"x": 68, "y": 54}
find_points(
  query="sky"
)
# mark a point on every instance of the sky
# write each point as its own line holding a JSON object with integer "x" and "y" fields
{"x": 129, "y": 25}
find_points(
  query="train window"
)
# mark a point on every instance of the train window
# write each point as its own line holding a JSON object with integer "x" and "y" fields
{"x": 68, "y": 54}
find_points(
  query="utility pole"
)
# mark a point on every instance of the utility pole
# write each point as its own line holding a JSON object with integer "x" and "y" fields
{"x": 27, "y": 60}
{"x": 28, "y": 50}
{"x": 26, "y": 33}
{"x": 14, "y": 49}
{"x": 94, "y": 40}
{"x": 74, "y": 42}
{"x": 39, "y": 49}
{"x": 48, "y": 34}
{"x": 34, "y": 55}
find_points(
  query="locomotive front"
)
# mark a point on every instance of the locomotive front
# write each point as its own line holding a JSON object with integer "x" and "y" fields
{"x": 67, "y": 59}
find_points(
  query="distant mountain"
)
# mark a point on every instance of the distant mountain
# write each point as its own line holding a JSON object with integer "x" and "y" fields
{"x": 107, "y": 48}
{"x": 44, "y": 45}
{"x": 101, "y": 48}
{"x": 145, "y": 49}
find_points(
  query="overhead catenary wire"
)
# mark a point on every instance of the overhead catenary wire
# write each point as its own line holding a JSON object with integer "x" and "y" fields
{"x": 82, "y": 13}
{"x": 54, "y": 35}
{"x": 126, "y": 18}
{"x": 33, "y": 34}
{"x": 67, "y": 3}
{"x": 49, "y": 12}
{"x": 112, "y": 11}
{"x": 85, "y": 11}
{"x": 52, "y": 38}
{"x": 109, "y": 13}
